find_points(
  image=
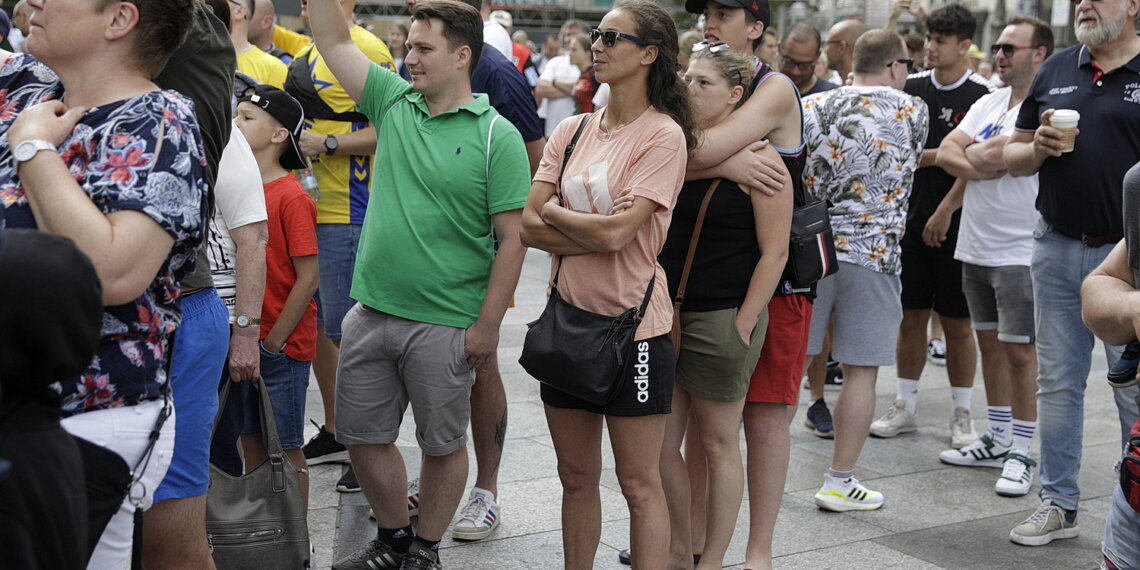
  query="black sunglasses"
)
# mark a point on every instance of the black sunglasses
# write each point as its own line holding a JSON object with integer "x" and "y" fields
{"x": 1007, "y": 49}
{"x": 610, "y": 37}
{"x": 907, "y": 61}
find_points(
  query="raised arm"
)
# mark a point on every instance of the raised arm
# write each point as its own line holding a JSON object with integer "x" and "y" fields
{"x": 764, "y": 111}
{"x": 331, "y": 34}
{"x": 1026, "y": 151}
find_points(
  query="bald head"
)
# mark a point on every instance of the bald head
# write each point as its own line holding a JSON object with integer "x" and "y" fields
{"x": 261, "y": 24}
{"x": 841, "y": 40}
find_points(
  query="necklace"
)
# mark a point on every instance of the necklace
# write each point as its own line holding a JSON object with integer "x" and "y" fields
{"x": 607, "y": 134}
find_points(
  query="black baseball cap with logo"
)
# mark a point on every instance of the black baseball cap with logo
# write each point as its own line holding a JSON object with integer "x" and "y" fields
{"x": 758, "y": 8}
{"x": 287, "y": 111}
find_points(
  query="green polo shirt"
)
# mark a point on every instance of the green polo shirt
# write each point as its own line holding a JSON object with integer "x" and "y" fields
{"x": 426, "y": 246}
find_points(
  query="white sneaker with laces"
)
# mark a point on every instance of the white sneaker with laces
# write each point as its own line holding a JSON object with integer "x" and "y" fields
{"x": 897, "y": 420}
{"x": 962, "y": 432}
{"x": 848, "y": 495}
{"x": 1016, "y": 476}
{"x": 478, "y": 518}
{"x": 985, "y": 452}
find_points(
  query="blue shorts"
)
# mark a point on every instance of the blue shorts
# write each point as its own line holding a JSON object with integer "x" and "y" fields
{"x": 287, "y": 381}
{"x": 200, "y": 348}
{"x": 338, "y": 244}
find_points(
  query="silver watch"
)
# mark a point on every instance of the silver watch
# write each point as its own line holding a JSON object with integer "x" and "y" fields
{"x": 28, "y": 149}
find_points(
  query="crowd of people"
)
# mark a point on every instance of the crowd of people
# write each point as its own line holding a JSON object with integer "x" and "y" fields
{"x": 204, "y": 199}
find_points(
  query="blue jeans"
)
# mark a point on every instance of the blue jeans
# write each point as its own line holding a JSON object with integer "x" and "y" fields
{"x": 1121, "y": 546}
{"x": 1064, "y": 358}
{"x": 338, "y": 244}
{"x": 286, "y": 380}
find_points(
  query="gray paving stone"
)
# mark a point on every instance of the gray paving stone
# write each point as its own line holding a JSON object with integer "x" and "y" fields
{"x": 852, "y": 556}
{"x": 984, "y": 543}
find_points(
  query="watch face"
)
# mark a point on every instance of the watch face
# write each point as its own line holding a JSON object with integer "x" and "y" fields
{"x": 24, "y": 151}
{"x": 331, "y": 143}
{"x": 243, "y": 321}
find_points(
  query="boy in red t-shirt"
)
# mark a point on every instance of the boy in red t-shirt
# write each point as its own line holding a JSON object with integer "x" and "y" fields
{"x": 271, "y": 121}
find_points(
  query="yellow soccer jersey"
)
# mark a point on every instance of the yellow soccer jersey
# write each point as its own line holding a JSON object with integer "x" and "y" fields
{"x": 343, "y": 179}
{"x": 262, "y": 67}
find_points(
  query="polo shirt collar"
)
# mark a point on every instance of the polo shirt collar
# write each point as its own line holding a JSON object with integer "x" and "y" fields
{"x": 479, "y": 106}
{"x": 1085, "y": 58}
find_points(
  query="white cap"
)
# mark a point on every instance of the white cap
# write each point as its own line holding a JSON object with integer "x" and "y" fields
{"x": 502, "y": 18}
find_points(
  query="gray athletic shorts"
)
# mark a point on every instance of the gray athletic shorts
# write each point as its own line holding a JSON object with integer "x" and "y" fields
{"x": 867, "y": 312}
{"x": 387, "y": 362}
{"x": 1001, "y": 299}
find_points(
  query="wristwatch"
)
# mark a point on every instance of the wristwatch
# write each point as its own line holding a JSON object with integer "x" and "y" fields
{"x": 243, "y": 320}
{"x": 331, "y": 144}
{"x": 28, "y": 149}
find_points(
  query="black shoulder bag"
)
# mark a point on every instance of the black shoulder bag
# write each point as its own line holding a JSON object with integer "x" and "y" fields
{"x": 576, "y": 351}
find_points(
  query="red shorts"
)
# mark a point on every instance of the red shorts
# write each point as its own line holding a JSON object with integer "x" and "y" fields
{"x": 780, "y": 369}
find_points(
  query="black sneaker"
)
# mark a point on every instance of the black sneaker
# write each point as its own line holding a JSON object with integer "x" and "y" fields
{"x": 374, "y": 556}
{"x": 323, "y": 448}
{"x": 348, "y": 482}
{"x": 834, "y": 378}
{"x": 1123, "y": 373}
{"x": 623, "y": 557}
{"x": 819, "y": 420}
{"x": 420, "y": 557}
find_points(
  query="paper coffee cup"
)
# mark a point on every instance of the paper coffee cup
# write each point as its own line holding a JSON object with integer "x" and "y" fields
{"x": 1065, "y": 120}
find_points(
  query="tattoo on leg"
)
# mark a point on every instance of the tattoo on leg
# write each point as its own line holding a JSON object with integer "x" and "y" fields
{"x": 501, "y": 430}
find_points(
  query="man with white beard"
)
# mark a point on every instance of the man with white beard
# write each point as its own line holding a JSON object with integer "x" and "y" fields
{"x": 1081, "y": 220}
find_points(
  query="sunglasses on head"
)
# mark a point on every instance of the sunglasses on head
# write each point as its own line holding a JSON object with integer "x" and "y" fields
{"x": 711, "y": 46}
{"x": 907, "y": 61}
{"x": 610, "y": 37}
{"x": 1007, "y": 49}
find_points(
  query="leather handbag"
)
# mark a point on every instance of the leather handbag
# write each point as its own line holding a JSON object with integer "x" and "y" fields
{"x": 811, "y": 250}
{"x": 581, "y": 353}
{"x": 257, "y": 520}
{"x": 679, "y": 298}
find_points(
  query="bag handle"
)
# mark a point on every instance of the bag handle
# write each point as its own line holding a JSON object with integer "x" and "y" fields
{"x": 566, "y": 158}
{"x": 268, "y": 422}
{"x": 679, "y": 298}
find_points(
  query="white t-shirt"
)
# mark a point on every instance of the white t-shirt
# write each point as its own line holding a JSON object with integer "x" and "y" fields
{"x": 496, "y": 35}
{"x": 555, "y": 110}
{"x": 239, "y": 199}
{"x": 998, "y": 216}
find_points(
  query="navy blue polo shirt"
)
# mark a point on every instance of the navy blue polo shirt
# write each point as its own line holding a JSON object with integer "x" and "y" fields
{"x": 506, "y": 89}
{"x": 1080, "y": 192}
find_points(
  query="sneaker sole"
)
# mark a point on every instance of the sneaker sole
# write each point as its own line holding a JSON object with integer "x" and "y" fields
{"x": 474, "y": 533}
{"x": 818, "y": 433}
{"x": 344, "y": 489}
{"x": 1044, "y": 539}
{"x": 971, "y": 462}
{"x": 1012, "y": 492}
{"x": 889, "y": 434}
{"x": 335, "y": 457}
{"x": 1123, "y": 384}
{"x": 829, "y": 503}
{"x": 936, "y": 361}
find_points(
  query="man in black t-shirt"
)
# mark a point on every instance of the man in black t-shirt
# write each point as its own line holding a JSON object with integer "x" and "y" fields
{"x": 931, "y": 277}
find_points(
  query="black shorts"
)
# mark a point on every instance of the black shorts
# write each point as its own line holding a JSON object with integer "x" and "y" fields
{"x": 646, "y": 392}
{"x": 931, "y": 277}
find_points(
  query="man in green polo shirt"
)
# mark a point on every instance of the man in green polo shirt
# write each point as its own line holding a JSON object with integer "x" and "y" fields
{"x": 431, "y": 289}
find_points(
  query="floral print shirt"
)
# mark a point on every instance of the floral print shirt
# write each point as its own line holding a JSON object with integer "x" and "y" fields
{"x": 863, "y": 145}
{"x": 144, "y": 154}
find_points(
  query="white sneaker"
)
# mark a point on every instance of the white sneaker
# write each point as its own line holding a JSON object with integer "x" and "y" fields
{"x": 414, "y": 497}
{"x": 962, "y": 431}
{"x": 1016, "y": 476}
{"x": 849, "y": 495}
{"x": 936, "y": 352}
{"x": 984, "y": 452}
{"x": 478, "y": 518}
{"x": 897, "y": 420}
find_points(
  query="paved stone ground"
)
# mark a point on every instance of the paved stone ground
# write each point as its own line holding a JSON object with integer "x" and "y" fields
{"x": 935, "y": 516}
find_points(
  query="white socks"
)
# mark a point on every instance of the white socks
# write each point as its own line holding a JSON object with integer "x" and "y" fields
{"x": 1023, "y": 436}
{"x": 961, "y": 397}
{"x": 1001, "y": 424}
{"x": 907, "y": 391}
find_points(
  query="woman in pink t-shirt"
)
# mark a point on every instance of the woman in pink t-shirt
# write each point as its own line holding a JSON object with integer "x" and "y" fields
{"x": 637, "y": 146}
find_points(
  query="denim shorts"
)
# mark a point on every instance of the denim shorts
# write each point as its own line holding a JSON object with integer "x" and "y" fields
{"x": 338, "y": 244}
{"x": 1000, "y": 299}
{"x": 287, "y": 381}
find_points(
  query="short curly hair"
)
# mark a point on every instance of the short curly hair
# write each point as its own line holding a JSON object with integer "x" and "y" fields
{"x": 952, "y": 20}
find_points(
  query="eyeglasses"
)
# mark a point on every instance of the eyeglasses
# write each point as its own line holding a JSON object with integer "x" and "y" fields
{"x": 712, "y": 47}
{"x": 1075, "y": 2}
{"x": 610, "y": 37}
{"x": 786, "y": 62}
{"x": 1007, "y": 49}
{"x": 907, "y": 61}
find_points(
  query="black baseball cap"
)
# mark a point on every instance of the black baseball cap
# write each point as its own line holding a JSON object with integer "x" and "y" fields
{"x": 287, "y": 111}
{"x": 758, "y": 8}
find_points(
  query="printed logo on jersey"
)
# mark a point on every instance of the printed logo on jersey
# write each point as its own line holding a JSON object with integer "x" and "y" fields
{"x": 641, "y": 372}
{"x": 589, "y": 192}
{"x": 1063, "y": 90}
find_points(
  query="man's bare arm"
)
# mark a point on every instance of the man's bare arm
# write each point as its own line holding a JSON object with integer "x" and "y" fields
{"x": 1110, "y": 302}
{"x": 331, "y": 34}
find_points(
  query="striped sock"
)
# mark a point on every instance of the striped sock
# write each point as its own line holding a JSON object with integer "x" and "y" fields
{"x": 1023, "y": 436}
{"x": 1000, "y": 419}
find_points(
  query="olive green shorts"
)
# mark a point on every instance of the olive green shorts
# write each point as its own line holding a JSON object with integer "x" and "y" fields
{"x": 715, "y": 364}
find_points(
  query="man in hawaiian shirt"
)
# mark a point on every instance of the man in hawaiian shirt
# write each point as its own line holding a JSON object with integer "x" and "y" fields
{"x": 864, "y": 142}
